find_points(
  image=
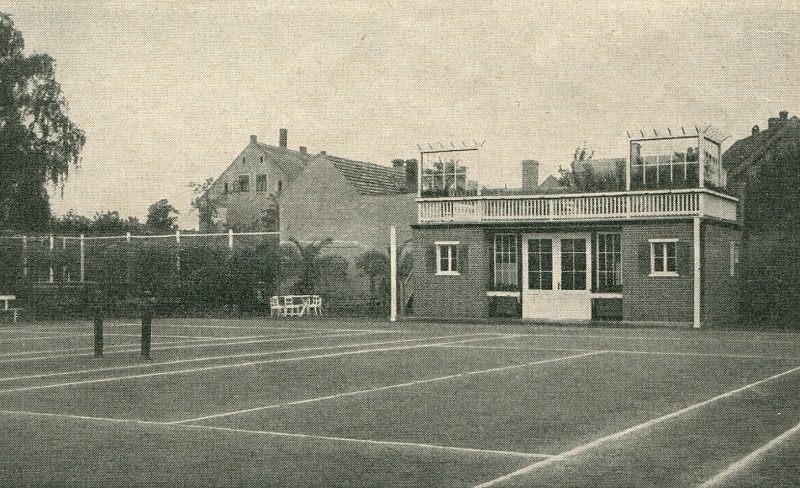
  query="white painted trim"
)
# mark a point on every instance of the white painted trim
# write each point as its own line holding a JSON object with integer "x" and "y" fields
{"x": 451, "y": 272}
{"x": 574, "y": 195}
{"x": 605, "y": 295}
{"x": 697, "y": 276}
{"x": 506, "y": 293}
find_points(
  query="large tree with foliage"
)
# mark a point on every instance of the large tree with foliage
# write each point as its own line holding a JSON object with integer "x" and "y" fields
{"x": 38, "y": 142}
{"x": 162, "y": 217}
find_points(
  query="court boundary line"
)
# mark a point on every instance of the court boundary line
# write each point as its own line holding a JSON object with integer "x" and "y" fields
{"x": 689, "y": 338}
{"x": 385, "y": 387}
{"x": 630, "y": 351}
{"x": 224, "y": 366}
{"x": 620, "y": 434}
{"x": 189, "y": 360}
{"x": 183, "y": 345}
{"x": 151, "y": 423}
{"x": 745, "y": 462}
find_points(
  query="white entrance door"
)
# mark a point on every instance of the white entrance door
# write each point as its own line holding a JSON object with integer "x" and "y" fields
{"x": 556, "y": 276}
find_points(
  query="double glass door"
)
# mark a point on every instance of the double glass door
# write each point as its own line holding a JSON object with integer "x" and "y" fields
{"x": 556, "y": 276}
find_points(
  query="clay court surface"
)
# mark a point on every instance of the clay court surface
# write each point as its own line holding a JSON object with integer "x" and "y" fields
{"x": 337, "y": 402}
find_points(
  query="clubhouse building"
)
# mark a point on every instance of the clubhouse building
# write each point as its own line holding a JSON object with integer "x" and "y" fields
{"x": 661, "y": 247}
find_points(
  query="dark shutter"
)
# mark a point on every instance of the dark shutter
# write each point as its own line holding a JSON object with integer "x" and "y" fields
{"x": 683, "y": 255}
{"x": 644, "y": 258}
{"x": 430, "y": 259}
{"x": 462, "y": 258}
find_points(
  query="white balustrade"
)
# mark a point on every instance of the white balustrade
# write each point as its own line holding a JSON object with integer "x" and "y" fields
{"x": 590, "y": 206}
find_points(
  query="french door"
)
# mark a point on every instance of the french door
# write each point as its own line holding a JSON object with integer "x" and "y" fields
{"x": 556, "y": 276}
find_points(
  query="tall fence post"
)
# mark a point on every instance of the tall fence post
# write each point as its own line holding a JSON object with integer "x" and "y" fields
{"x": 52, "y": 244}
{"x": 64, "y": 272}
{"x": 178, "y": 255}
{"x": 25, "y": 256}
{"x": 230, "y": 239}
{"x": 83, "y": 257}
{"x": 393, "y": 272}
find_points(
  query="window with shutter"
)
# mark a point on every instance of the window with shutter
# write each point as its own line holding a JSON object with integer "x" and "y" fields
{"x": 447, "y": 257}
{"x": 664, "y": 257}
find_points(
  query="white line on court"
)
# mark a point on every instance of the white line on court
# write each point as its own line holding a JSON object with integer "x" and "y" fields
{"x": 179, "y": 345}
{"x": 213, "y": 358}
{"x": 749, "y": 459}
{"x": 618, "y": 435}
{"x": 387, "y": 387}
{"x": 688, "y": 338}
{"x": 412, "y": 445}
{"x": 222, "y": 366}
{"x": 627, "y": 351}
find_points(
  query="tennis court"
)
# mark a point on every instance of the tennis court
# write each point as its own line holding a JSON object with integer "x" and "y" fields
{"x": 329, "y": 402}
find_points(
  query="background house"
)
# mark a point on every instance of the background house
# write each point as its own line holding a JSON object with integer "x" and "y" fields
{"x": 764, "y": 171}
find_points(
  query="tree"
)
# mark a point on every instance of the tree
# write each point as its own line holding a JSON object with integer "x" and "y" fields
{"x": 375, "y": 264}
{"x": 205, "y": 205}
{"x": 38, "y": 142}
{"x": 160, "y": 218}
{"x": 305, "y": 259}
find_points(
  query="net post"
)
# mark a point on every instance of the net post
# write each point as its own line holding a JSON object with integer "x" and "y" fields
{"x": 98, "y": 334}
{"x": 147, "y": 325}
{"x": 393, "y": 272}
{"x": 83, "y": 262}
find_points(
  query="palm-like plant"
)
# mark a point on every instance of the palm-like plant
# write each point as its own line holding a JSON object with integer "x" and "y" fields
{"x": 305, "y": 257}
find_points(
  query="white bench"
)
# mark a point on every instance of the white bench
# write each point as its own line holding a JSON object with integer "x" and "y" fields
{"x": 7, "y": 299}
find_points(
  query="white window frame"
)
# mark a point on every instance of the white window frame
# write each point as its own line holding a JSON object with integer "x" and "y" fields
{"x": 515, "y": 255}
{"x": 663, "y": 257}
{"x": 452, "y": 263}
{"x": 616, "y": 272}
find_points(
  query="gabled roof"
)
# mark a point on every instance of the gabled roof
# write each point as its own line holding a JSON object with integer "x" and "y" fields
{"x": 370, "y": 178}
{"x": 290, "y": 162}
{"x": 748, "y": 151}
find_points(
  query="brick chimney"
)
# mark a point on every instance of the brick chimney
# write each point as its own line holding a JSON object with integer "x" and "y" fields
{"x": 283, "y": 140}
{"x": 323, "y": 153}
{"x": 303, "y": 150}
{"x": 755, "y": 130}
{"x": 773, "y": 122}
{"x": 253, "y": 139}
{"x": 411, "y": 175}
{"x": 784, "y": 116}
{"x": 530, "y": 175}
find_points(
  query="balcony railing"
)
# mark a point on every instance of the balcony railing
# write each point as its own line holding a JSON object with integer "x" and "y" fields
{"x": 571, "y": 207}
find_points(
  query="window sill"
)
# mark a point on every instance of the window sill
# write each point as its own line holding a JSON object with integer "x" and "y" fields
{"x": 447, "y": 273}
{"x": 663, "y": 274}
{"x": 503, "y": 293}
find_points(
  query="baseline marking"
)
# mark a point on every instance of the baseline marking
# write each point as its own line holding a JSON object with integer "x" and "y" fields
{"x": 749, "y": 459}
{"x": 618, "y": 435}
{"x": 387, "y": 387}
{"x": 225, "y": 366}
{"x": 412, "y": 445}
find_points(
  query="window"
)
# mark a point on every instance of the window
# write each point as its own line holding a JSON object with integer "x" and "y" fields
{"x": 261, "y": 182}
{"x": 243, "y": 183}
{"x": 261, "y": 159}
{"x": 280, "y": 185}
{"x": 244, "y": 160}
{"x": 506, "y": 273}
{"x": 540, "y": 264}
{"x": 225, "y": 190}
{"x": 447, "y": 258}
{"x": 609, "y": 263}
{"x": 663, "y": 258}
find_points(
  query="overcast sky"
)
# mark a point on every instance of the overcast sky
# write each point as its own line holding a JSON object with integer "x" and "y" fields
{"x": 169, "y": 93}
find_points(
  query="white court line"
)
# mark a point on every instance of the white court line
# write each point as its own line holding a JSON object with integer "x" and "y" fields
{"x": 412, "y": 445}
{"x": 212, "y": 358}
{"x": 222, "y": 366}
{"x": 618, "y": 435}
{"x": 687, "y": 338}
{"x": 627, "y": 351}
{"x": 387, "y": 387}
{"x": 749, "y": 459}
{"x": 181, "y": 345}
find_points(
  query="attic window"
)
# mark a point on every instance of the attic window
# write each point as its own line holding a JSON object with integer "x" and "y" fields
{"x": 244, "y": 160}
{"x": 280, "y": 185}
{"x": 225, "y": 191}
{"x": 261, "y": 159}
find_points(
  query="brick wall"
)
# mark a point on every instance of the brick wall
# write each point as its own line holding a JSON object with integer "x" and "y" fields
{"x": 719, "y": 291}
{"x": 445, "y": 296}
{"x": 657, "y": 298}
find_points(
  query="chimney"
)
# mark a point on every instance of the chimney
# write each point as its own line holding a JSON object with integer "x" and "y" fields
{"x": 530, "y": 175}
{"x": 398, "y": 163}
{"x": 253, "y": 139}
{"x": 755, "y": 130}
{"x": 303, "y": 150}
{"x": 784, "y": 115}
{"x": 773, "y": 122}
{"x": 284, "y": 138}
{"x": 323, "y": 153}
{"x": 411, "y": 175}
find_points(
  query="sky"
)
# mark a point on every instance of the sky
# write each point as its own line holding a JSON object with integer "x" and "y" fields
{"x": 169, "y": 93}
